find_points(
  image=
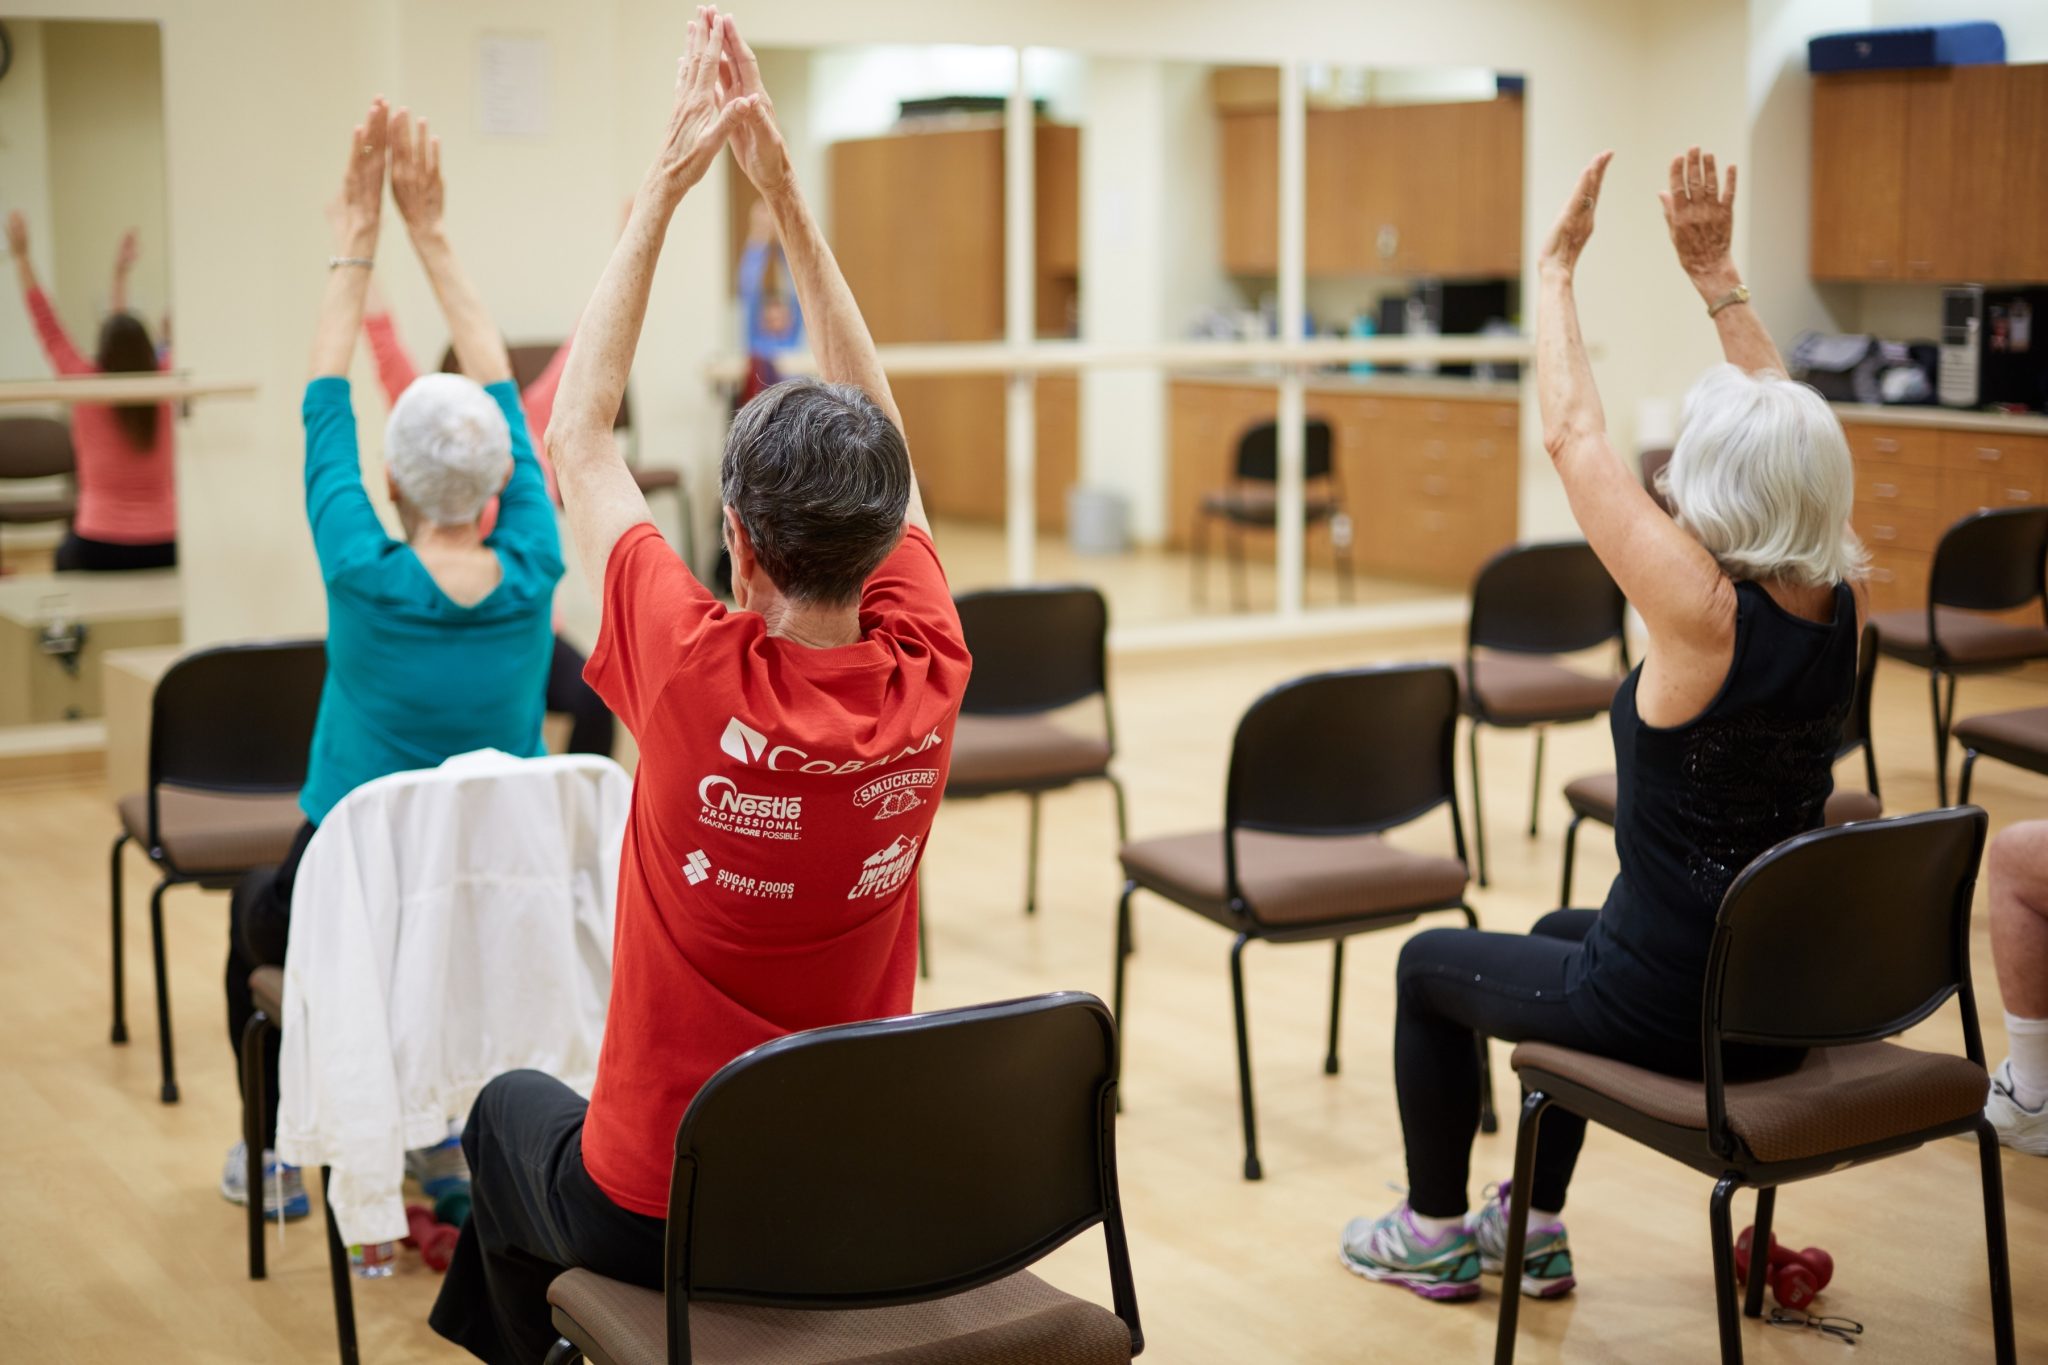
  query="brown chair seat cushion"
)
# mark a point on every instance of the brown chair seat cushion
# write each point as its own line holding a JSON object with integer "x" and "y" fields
{"x": 1524, "y": 689}
{"x": 208, "y": 833}
{"x": 656, "y": 480}
{"x": 1839, "y": 1099}
{"x": 1018, "y": 1320}
{"x": 2016, "y": 737}
{"x": 1258, "y": 505}
{"x": 1295, "y": 880}
{"x": 24, "y": 511}
{"x": 266, "y": 987}
{"x": 1596, "y": 796}
{"x": 1967, "y": 638}
{"x": 1006, "y": 753}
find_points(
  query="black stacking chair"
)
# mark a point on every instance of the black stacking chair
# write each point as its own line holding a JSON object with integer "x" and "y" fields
{"x": 1594, "y": 797}
{"x": 1320, "y": 769}
{"x": 927, "y": 1160}
{"x": 36, "y": 448}
{"x": 1531, "y": 603}
{"x": 1252, "y": 498}
{"x": 229, "y": 732}
{"x": 2016, "y": 737}
{"x": 1834, "y": 941}
{"x": 1988, "y": 561}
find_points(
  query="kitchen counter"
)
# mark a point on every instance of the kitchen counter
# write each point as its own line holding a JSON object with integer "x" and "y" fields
{"x": 1387, "y": 384}
{"x": 1946, "y": 419}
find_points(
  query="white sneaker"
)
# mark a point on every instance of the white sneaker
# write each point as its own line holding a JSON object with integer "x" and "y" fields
{"x": 2022, "y": 1129}
{"x": 283, "y": 1191}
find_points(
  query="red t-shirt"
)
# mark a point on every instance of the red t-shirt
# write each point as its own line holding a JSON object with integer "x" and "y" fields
{"x": 768, "y": 881}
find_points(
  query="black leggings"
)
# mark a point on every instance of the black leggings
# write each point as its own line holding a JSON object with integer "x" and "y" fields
{"x": 259, "y": 925}
{"x": 592, "y": 728}
{"x": 75, "y": 552}
{"x": 1454, "y": 982}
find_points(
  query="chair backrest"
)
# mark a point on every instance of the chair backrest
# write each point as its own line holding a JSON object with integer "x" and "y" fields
{"x": 899, "y": 1160}
{"x": 35, "y": 448}
{"x": 1847, "y": 935}
{"x": 236, "y": 718}
{"x": 1554, "y": 598}
{"x": 529, "y": 360}
{"x": 1990, "y": 560}
{"x": 1345, "y": 753}
{"x": 1035, "y": 649}
{"x": 1856, "y": 732}
{"x": 1258, "y": 452}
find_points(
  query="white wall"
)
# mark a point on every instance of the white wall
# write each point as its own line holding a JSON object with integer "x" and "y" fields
{"x": 25, "y": 186}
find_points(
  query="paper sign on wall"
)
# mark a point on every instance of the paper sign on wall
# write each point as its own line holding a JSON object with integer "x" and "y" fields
{"x": 512, "y": 86}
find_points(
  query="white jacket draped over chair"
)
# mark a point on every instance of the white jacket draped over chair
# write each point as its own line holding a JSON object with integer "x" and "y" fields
{"x": 448, "y": 925}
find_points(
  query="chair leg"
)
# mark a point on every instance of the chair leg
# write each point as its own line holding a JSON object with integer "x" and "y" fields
{"x": 1940, "y": 738}
{"x": 1252, "y": 1170}
{"x": 1233, "y": 544}
{"x": 563, "y": 1352}
{"x": 1489, "y": 1118}
{"x": 119, "y": 1033}
{"x": 1123, "y": 836}
{"x": 1766, "y": 1207}
{"x": 169, "y": 1092}
{"x": 1031, "y": 862}
{"x": 1571, "y": 853}
{"x": 1724, "y": 1270}
{"x": 1994, "y": 1240}
{"x": 1123, "y": 950}
{"x": 1536, "y": 785}
{"x": 1336, "y": 1005}
{"x": 1478, "y": 809}
{"x": 1963, "y": 781}
{"x": 924, "y": 952}
{"x": 338, "y": 1273}
{"x": 252, "y": 1134}
{"x": 1533, "y": 1105}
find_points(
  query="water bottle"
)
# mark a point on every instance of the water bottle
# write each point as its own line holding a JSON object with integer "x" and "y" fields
{"x": 374, "y": 1261}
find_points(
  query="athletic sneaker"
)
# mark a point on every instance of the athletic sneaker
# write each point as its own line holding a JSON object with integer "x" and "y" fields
{"x": 1546, "y": 1251}
{"x": 440, "y": 1169}
{"x": 2023, "y": 1130}
{"x": 283, "y": 1190}
{"x": 1394, "y": 1250}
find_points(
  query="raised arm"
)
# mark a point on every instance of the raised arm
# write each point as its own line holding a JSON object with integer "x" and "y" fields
{"x": 124, "y": 266}
{"x": 1701, "y": 215}
{"x": 64, "y": 357}
{"x": 1668, "y": 576}
{"x": 348, "y": 275}
{"x": 839, "y": 335}
{"x": 598, "y": 491}
{"x": 416, "y": 189}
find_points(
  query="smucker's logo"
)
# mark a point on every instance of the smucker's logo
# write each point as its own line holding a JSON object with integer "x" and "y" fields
{"x": 897, "y": 793}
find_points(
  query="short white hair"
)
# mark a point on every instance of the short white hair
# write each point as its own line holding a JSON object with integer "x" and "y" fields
{"x": 1761, "y": 476}
{"x": 448, "y": 448}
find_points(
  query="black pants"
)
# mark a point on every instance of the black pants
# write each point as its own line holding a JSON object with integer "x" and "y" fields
{"x": 106, "y": 556}
{"x": 536, "y": 1213}
{"x": 592, "y": 728}
{"x": 1455, "y": 982}
{"x": 259, "y": 925}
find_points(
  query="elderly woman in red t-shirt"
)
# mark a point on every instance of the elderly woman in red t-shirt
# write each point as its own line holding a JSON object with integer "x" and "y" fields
{"x": 127, "y": 499}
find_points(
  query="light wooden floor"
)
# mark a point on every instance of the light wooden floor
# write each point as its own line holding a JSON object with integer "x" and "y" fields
{"x": 115, "y": 1245}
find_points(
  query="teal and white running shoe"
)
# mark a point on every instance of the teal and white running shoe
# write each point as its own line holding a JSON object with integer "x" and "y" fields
{"x": 1394, "y": 1250}
{"x": 440, "y": 1170}
{"x": 284, "y": 1193}
{"x": 1546, "y": 1251}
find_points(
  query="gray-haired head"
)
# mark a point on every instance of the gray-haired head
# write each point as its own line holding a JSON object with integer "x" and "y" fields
{"x": 820, "y": 478}
{"x": 447, "y": 447}
{"x": 1761, "y": 476}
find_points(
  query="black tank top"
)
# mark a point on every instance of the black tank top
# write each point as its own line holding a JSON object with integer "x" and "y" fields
{"x": 1697, "y": 802}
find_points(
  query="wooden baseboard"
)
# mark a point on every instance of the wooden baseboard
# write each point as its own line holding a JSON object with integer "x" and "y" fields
{"x": 69, "y": 751}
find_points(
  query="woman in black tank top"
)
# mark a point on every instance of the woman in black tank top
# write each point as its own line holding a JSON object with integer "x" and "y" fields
{"x": 1725, "y": 739}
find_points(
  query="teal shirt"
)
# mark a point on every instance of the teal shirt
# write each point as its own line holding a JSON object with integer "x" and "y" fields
{"x": 412, "y": 676}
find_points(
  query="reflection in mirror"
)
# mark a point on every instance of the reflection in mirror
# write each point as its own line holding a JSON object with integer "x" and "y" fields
{"x": 88, "y": 517}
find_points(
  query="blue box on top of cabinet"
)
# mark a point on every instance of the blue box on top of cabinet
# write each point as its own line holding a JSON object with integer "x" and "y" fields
{"x": 1877, "y": 49}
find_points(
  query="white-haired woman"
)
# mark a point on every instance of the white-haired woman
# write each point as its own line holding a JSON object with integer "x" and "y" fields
{"x": 439, "y": 643}
{"x": 1724, "y": 737}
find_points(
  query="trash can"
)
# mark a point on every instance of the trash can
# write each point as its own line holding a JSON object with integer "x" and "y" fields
{"x": 1098, "y": 521}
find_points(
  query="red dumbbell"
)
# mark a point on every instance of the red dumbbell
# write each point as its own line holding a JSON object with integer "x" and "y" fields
{"x": 434, "y": 1241}
{"x": 1795, "y": 1277}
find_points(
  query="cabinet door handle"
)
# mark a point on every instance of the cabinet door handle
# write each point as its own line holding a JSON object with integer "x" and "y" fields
{"x": 1880, "y": 265}
{"x": 1433, "y": 450}
{"x": 1883, "y": 576}
{"x": 1884, "y": 490}
{"x": 1884, "y": 445}
{"x": 1434, "y": 485}
{"x": 2019, "y": 495}
{"x": 1921, "y": 267}
{"x": 1483, "y": 448}
{"x": 1884, "y": 533}
{"x": 1990, "y": 454}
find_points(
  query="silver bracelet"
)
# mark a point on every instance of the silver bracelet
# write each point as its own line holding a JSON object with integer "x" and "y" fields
{"x": 364, "y": 261}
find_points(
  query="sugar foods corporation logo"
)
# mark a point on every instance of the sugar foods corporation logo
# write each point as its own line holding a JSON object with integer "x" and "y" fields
{"x": 896, "y": 793}
{"x": 882, "y": 872}
{"x": 745, "y": 744}
{"x": 727, "y": 808}
{"x": 696, "y": 867}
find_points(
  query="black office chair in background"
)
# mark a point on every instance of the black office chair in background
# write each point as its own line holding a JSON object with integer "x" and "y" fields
{"x": 1252, "y": 498}
{"x": 36, "y": 448}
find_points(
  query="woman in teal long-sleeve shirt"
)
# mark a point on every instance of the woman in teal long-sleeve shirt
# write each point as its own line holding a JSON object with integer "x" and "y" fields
{"x": 438, "y": 643}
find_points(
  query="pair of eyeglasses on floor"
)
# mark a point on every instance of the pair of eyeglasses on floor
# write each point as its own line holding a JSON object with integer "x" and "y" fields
{"x": 1844, "y": 1330}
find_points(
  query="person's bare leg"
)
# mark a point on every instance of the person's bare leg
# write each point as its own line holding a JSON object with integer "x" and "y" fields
{"x": 2018, "y": 892}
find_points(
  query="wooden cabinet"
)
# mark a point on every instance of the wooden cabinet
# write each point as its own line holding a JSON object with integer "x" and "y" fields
{"x": 958, "y": 437}
{"x": 1431, "y": 485}
{"x": 1931, "y": 175}
{"x": 1415, "y": 189}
